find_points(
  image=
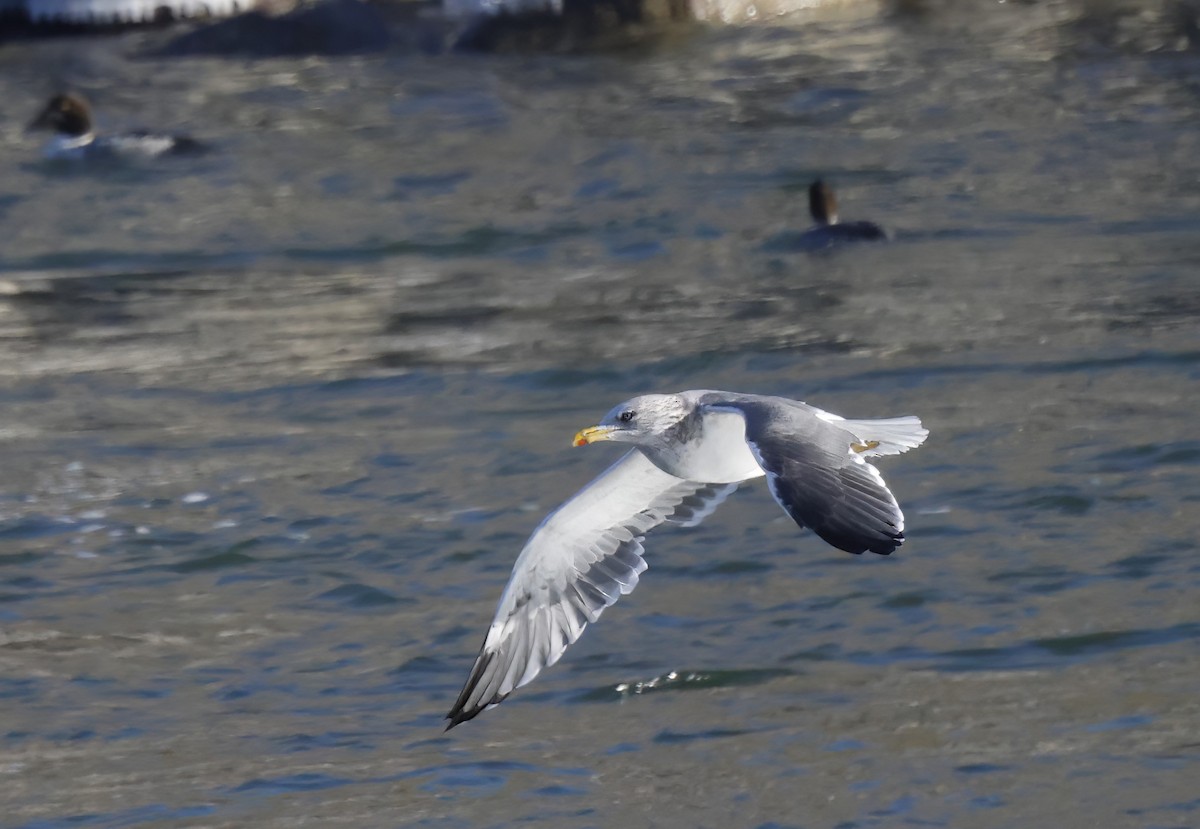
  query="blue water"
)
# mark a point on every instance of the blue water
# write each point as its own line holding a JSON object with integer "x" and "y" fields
{"x": 277, "y": 425}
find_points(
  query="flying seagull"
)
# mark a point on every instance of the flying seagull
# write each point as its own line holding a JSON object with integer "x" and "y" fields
{"x": 691, "y": 450}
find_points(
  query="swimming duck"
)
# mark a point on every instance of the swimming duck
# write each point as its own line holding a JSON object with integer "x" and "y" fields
{"x": 829, "y": 231}
{"x": 69, "y": 117}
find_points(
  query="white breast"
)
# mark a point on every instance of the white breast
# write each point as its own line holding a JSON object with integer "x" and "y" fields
{"x": 68, "y": 146}
{"x": 718, "y": 455}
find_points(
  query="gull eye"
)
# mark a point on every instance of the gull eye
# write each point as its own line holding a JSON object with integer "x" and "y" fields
{"x": 627, "y": 415}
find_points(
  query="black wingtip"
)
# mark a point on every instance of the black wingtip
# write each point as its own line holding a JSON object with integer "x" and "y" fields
{"x": 460, "y": 712}
{"x": 886, "y": 546}
{"x": 856, "y": 544}
{"x": 897, "y": 540}
{"x": 457, "y": 715}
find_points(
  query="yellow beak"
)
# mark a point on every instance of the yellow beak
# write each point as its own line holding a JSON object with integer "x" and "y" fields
{"x": 592, "y": 434}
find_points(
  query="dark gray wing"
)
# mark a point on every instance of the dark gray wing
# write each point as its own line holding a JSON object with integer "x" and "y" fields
{"x": 818, "y": 478}
{"x": 579, "y": 561}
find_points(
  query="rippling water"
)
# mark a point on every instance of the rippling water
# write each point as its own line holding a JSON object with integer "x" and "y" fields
{"x": 278, "y": 420}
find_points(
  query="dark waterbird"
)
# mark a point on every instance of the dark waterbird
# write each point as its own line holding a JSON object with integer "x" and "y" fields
{"x": 69, "y": 116}
{"x": 829, "y": 231}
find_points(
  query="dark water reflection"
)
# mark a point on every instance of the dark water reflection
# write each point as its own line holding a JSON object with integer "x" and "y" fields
{"x": 276, "y": 425}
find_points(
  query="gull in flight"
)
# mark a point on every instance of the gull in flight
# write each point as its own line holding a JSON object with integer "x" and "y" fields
{"x": 691, "y": 450}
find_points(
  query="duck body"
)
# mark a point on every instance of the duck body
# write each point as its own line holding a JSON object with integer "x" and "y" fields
{"x": 69, "y": 117}
{"x": 828, "y": 231}
{"x": 126, "y": 145}
{"x": 844, "y": 233}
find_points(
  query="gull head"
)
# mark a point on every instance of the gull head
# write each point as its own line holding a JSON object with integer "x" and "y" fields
{"x": 646, "y": 421}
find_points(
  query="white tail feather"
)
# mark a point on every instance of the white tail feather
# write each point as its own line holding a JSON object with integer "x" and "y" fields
{"x": 890, "y": 436}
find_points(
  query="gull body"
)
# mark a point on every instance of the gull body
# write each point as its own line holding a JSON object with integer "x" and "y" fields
{"x": 690, "y": 451}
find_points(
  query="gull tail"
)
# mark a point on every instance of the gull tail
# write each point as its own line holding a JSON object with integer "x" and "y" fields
{"x": 888, "y": 436}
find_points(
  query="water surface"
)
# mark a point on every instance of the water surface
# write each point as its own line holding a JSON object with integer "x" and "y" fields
{"x": 278, "y": 420}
